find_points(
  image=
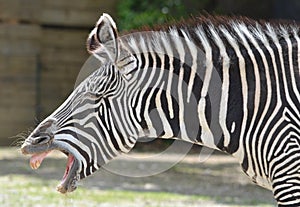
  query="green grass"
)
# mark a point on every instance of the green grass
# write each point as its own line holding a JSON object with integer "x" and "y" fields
{"x": 24, "y": 191}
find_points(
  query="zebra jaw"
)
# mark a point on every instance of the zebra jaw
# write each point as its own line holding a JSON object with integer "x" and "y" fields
{"x": 41, "y": 142}
{"x": 71, "y": 175}
{"x": 70, "y": 178}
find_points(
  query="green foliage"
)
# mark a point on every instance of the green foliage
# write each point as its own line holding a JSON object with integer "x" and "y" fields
{"x": 133, "y": 14}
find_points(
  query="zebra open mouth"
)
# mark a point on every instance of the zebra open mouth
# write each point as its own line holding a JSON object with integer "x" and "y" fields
{"x": 70, "y": 177}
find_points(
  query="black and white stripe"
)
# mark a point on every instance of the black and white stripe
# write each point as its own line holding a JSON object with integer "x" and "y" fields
{"x": 164, "y": 84}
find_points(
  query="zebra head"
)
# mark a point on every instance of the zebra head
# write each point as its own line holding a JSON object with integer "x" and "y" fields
{"x": 86, "y": 126}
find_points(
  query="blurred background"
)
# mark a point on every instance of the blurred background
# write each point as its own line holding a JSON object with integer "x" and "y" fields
{"x": 42, "y": 45}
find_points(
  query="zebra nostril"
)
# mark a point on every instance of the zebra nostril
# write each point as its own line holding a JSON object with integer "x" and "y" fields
{"x": 41, "y": 140}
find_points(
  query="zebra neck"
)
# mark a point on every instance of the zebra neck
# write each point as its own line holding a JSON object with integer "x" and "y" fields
{"x": 212, "y": 84}
{"x": 165, "y": 89}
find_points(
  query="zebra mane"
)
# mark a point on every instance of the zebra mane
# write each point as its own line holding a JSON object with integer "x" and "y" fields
{"x": 214, "y": 29}
{"x": 217, "y": 21}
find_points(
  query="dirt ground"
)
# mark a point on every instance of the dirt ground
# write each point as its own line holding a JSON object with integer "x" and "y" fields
{"x": 219, "y": 177}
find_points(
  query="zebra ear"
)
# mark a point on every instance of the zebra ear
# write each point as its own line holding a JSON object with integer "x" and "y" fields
{"x": 103, "y": 38}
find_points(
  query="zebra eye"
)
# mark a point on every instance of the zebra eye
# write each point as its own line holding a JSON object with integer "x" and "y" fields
{"x": 93, "y": 95}
{"x": 87, "y": 95}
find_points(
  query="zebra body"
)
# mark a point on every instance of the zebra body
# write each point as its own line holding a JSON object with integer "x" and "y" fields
{"x": 231, "y": 85}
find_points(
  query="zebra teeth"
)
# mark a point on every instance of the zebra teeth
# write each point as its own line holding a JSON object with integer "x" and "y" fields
{"x": 37, "y": 159}
{"x": 35, "y": 165}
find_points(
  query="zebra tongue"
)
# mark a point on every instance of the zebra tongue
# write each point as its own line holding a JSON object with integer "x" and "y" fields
{"x": 68, "y": 184}
{"x": 37, "y": 159}
{"x": 69, "y": 165}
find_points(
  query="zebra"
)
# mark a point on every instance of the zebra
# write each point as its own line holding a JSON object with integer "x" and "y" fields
{"x": 231, "y": 84}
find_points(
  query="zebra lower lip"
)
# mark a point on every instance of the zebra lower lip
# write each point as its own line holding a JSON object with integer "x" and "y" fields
{"x": 70, "y": 178}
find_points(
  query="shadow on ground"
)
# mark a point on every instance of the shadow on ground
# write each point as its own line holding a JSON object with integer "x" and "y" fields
{"x": 219, "y": 178}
